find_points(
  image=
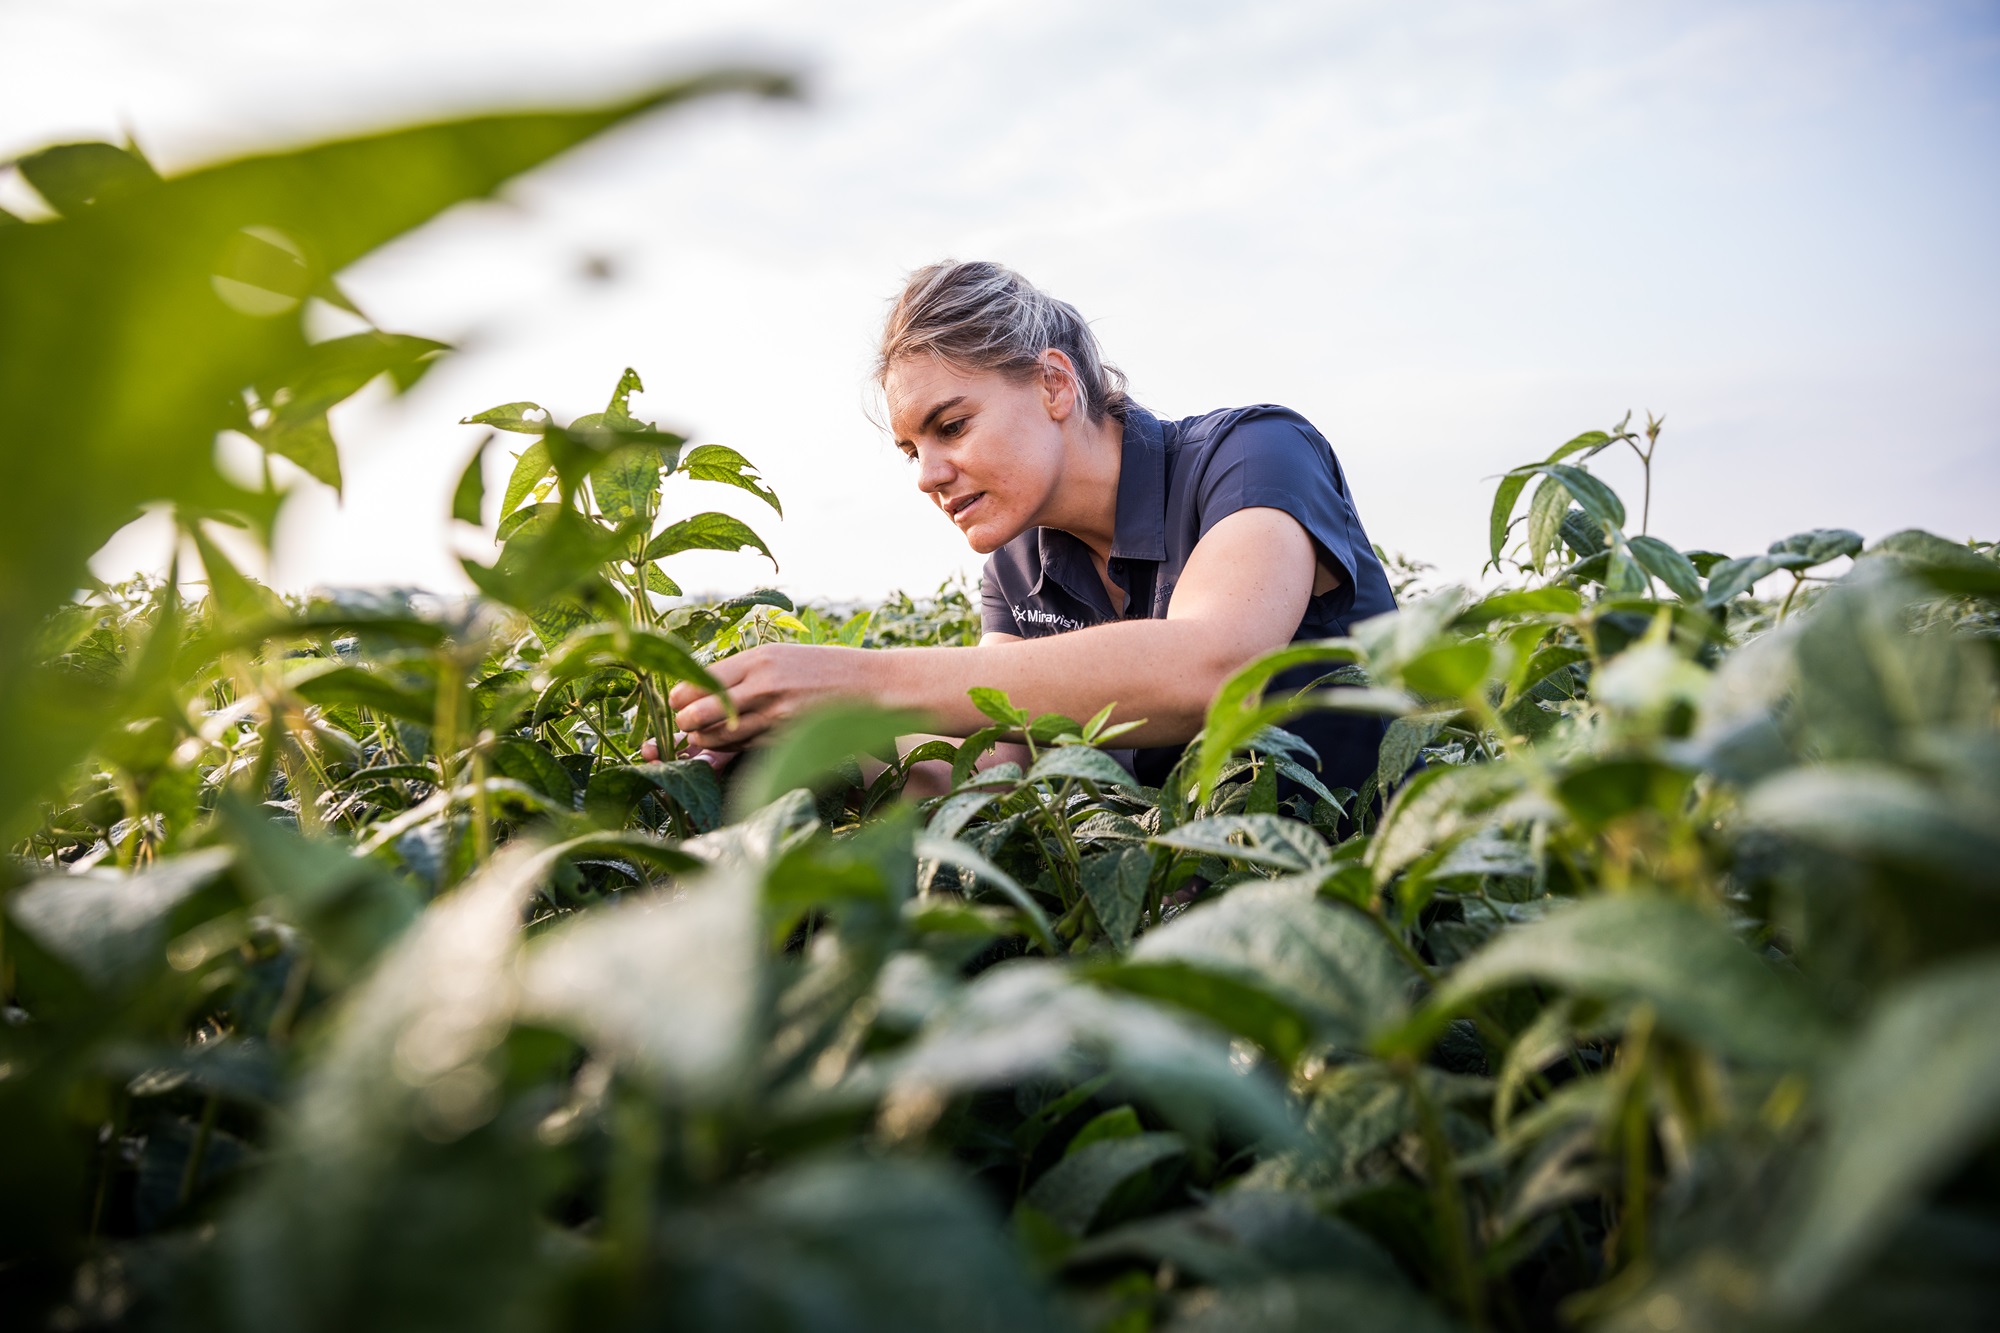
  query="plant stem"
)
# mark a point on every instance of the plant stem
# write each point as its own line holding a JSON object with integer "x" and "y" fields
{"x": 1449, "y": 1201}
{"x": 204, "y": 1132}
{"x": 1798, "y": 581}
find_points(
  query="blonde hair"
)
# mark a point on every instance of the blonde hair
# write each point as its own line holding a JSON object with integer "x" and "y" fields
{"x": 984, "y": 316}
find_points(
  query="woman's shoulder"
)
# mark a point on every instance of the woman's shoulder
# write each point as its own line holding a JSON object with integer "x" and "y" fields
{"x": 1262, "y": 435}
{"x": 1258, "y": 421}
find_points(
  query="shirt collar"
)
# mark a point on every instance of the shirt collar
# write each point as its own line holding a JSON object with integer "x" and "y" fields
{"x": 1139, "y": 531}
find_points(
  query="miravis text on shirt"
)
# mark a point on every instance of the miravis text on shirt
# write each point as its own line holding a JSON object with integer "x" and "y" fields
{"x": 1032, "y": 615}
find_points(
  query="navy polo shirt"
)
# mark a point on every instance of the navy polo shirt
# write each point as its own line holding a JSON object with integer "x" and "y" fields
{"x": 1178, "y": 479}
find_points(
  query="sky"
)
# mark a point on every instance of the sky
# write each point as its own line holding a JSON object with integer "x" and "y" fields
{"x": 1453, "y": 233}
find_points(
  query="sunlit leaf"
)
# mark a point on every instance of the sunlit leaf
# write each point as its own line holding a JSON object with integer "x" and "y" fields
{"x": 707, "y": 532}
{"x": 715, "y": 462}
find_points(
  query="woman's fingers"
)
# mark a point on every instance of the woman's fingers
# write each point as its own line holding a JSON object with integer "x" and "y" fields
{"x": 769, "y": 685}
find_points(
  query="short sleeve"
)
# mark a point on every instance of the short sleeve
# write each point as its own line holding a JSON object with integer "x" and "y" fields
{"x": 995, "y": 615}
{"x": 1278, "y": 462}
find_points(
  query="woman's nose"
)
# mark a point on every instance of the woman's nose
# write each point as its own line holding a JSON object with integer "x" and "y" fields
{"x": 933, "y": 473}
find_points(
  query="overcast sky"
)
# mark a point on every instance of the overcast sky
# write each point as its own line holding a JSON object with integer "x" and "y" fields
{"x": 1453, "y": 234}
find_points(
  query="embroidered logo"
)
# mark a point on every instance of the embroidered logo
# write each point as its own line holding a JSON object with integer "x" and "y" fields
{"x": 1030, "y": 615}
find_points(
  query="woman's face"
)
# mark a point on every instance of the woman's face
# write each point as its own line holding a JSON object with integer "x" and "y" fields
{"x": 988, "y": 448}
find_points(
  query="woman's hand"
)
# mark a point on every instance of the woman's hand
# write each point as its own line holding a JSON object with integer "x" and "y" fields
{"x": 649, "y": 752}
{"x": 769, "y": 685}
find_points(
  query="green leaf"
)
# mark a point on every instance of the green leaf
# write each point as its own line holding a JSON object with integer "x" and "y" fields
{"x": 690, "y": 784}
{"x": 670, "y": 989}
{"x": 1600, "y": 503}
{"x": 715, "y": 462}
{"x": 1300, "y": 1305}
{"x": 525, "y": 761}
{"x": 1403, "y": 744}
{"x": 1450, "y": 670}
{"x": 1732, "y": 578}
{"x": 333, "y": 371}
{"x": 1587, "y": 444}
{"x": 550, "y": 559}
{"x": 531, "y": 465}
{"x": 1545, "y": 663}
{"x": 1818, "y": 546}
{"x": 1869, "y": 686}
{"x": 958, "y": 810}
{"x": 1025, "y": 1018}
{"x": 1545, "y": 516}
{"x": 997, "y": 706}
{"x": 118, "y": 310}
{"x": 1597, "y": 792}
{"x": 468, "y": 498}
{"x": 1120, "y": 1122}
{"x": 1048, "y": 728}
{"x": 1946, "y": 565}
{"x": 1239, "y": 711}
{"x": 1667, "y": 565}
{"x": 1434, "y": 810}
{"x": 1245, "y": 1007}
{"x": 1324, "y": 962}
{"x": 1880, "y": 815}
{"x": 627, "y": 484}
{"x": 618, "y": 411}
{"x": 1916, "y": 1096}
{"x": 113, "y": 928}
{"x": 1394, "y": 637}
{"x": 1083, "y": 763}
{"x": 239, "y": 597}
{"x": 829, "y": 1245}
{"x": 359, "y": 1175}
{"x": 1245, "y": 1235}
{"x": 536, "y": 516}
{"x": 610, "y": 643}
{"x": 1077, "y": 1188}
{"x": 306, "y": 441}
{"x": 976, "y": 744}
{"x": 1505, "y": 497}
{"x": 1530, "y": 602}
{"x": 1265, "y": 840}
{"x": 1115, "y": 883}
{"x": 333, "y": 684}
{"x": 72, "y": 177}
{"x": 964, "y": 858}
{"x": 521, "y": 418}
{"x": 808, "y": 748}
{"x": 1585, "y": 538}
{"x": 1702, "y": 982}
{"x": 630, "y": 845}
{"x": 707, "y": 532}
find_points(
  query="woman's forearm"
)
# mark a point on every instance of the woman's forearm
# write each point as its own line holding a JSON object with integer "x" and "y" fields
{"x": 1164, "y": 671}
{"x": 1242, "y": 594}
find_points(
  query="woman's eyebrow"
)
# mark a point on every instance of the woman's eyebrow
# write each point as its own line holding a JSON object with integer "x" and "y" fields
{"x": 931, "y": 417}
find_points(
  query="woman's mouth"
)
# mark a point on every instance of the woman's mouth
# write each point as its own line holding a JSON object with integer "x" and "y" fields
{"x": 963, "y": 505}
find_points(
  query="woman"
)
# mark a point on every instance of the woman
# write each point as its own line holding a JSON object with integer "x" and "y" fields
{"x": 1131, "y": 560}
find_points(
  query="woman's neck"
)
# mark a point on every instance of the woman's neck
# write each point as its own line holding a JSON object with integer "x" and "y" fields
{"x": 1085, "y": 504}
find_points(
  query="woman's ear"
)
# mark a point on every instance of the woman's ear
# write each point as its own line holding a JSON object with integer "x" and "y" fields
{"x": 1060, "y": 385}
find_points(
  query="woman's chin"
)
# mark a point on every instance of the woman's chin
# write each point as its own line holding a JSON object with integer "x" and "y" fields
{"x": 986, "y": 538}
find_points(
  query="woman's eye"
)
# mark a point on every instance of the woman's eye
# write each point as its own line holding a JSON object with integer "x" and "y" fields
{"x": 951, "y": 429}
